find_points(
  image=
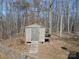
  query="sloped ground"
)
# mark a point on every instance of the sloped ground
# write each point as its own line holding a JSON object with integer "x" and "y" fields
{"x": 71, "y": 40}
{"x": 53, "y": 50}
{"x": 49, "y": 50}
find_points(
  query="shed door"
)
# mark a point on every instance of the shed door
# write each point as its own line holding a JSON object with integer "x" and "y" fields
{"x": 35, "y": 34}
{"x": 42, "y": 35}
{"x": 28, "y": 34}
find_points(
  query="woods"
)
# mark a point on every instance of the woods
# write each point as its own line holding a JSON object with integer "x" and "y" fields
{"x": 58, "y": 15}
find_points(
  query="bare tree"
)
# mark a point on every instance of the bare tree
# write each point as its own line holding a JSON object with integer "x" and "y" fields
{"x": 61, "y": 21}
{"x": 68, "y": 14}
{"x": 50, "y": 16}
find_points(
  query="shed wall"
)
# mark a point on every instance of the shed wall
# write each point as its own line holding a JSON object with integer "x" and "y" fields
{"x": 35, "y": 34}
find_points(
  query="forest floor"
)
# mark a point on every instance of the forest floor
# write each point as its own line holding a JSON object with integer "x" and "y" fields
{"x": 48, "y": 50}
{"x": 4, "y": 56}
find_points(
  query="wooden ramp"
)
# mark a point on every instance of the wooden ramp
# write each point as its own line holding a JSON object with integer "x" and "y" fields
{"x": 33, "y": 47}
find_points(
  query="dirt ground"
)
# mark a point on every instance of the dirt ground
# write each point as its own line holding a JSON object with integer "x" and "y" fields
{"x": 47, "y": 50}
{"x": 4, "y": 56}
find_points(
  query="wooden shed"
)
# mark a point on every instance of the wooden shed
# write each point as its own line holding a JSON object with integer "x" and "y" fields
{"x": 35, "y": 32}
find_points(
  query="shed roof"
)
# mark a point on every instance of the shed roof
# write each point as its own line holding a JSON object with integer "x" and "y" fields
{"x": 36, "y": 26}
